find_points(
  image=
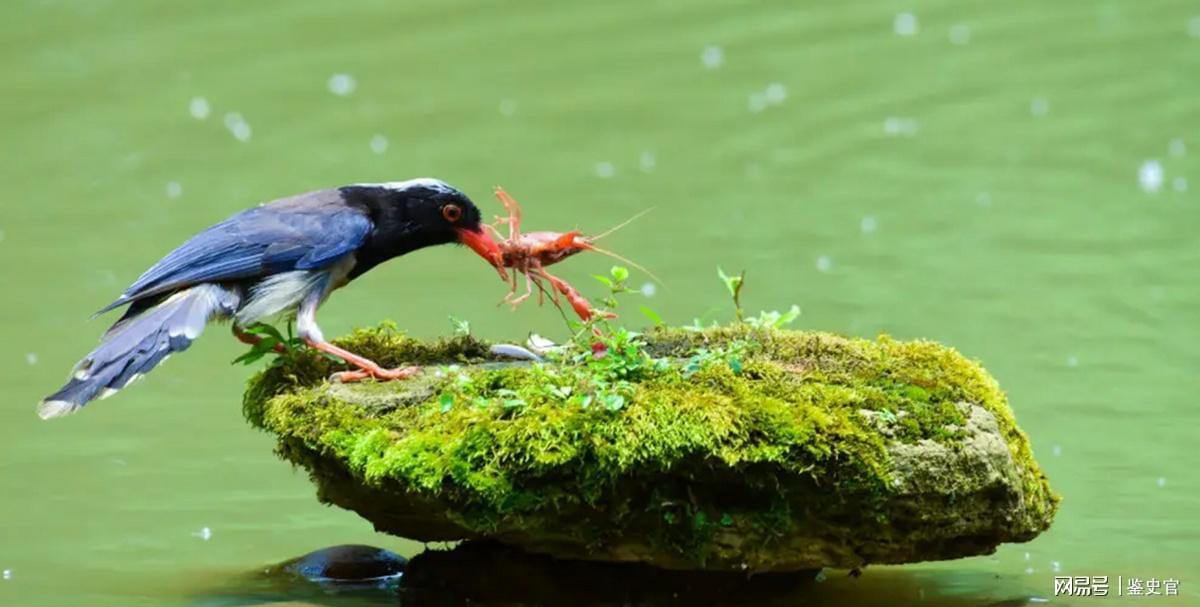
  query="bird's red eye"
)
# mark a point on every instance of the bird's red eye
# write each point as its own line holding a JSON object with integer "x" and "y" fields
{"x": 452, "y": 212}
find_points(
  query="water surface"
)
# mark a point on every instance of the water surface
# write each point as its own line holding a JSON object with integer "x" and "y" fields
{"x": 1015, "y": 179}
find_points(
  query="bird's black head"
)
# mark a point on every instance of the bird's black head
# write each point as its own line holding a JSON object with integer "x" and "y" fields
{"x": 413, "y": 214}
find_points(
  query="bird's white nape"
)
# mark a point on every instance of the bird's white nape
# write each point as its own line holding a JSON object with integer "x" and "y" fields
{"x": 400, "y": 186}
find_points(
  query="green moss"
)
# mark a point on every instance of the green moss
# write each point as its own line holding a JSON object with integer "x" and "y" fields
{"x": 755, "y": 448}
{"x": 384, "y": 344}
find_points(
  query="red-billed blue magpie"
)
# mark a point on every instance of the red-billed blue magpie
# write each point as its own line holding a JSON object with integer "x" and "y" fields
{"x": 283, "y": 257}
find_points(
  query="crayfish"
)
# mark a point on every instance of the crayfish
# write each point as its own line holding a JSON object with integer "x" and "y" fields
{"x": 529, "y": 253}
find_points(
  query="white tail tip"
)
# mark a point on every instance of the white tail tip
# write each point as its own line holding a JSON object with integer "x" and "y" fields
{"x": 56, "y": 408}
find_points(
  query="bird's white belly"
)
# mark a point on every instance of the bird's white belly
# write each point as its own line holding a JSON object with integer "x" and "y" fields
{"x": 283, "y": 292}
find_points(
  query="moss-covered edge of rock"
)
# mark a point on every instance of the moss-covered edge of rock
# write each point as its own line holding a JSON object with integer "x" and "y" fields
{"x": 779, "y": 432}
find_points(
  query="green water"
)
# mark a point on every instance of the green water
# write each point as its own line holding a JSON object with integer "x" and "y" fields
{"x": 1017, "y": 179}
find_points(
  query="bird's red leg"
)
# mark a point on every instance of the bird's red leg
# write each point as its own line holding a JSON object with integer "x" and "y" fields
{"x": 367, "y": 368}
{"x": 252, "y": 339}
{"x": 306, "y": 322}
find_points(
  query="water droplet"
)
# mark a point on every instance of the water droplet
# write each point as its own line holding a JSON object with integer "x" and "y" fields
{"x": 960, "y": 34}
{"x": 712, "y": 57}
{"x": 1039, "y": 107}
{"x": 776, "y": 93}
{"x": 897, "y": 126}
{"x": 1150, "y": 176}
{"x": 1161, "y": 482}
{"x": 174, "y": 189}
{"x": 1194, "y": 27}
{"x": 868, "y": 224}
{"x": 1180, "y": 184}
{"x": 905, "y": 24}
{"x": 1029, "y": 571}
{"x": 649, "y": 289}
{"x": 342, "y": 84}
{"x": 648, "y": 161}
{"x": 378, "y": 144}
{"x": 6, "y": 574}
{"x": 198, "y": 108}
{"x": 757, "y": 102}
{"x": 605, "y": 170}
{"x": 508, "y": 106}
{"x": 238, "y": 126}
{"x": 1056, "y": 566}
{"x": 31, "y": 358}
{"x": 1072, "y": 361}
{"x": 204, "y": 533}
{"x": 1027, "y": 556}
{"x": 1177, "y": 147}
{"x": 824, "y": 263}
{"x": 1056, "y": 450}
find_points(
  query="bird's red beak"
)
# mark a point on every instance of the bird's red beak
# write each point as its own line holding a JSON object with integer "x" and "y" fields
{"x": 481, "y": 243}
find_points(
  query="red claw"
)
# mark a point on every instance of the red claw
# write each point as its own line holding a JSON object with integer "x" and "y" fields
{"x": 529, "y": 253}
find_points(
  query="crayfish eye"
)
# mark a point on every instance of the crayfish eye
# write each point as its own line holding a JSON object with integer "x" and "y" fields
{"x": 452, "y": 213}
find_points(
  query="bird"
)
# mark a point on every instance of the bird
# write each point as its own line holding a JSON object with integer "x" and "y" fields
{"x": 280, "y": 258}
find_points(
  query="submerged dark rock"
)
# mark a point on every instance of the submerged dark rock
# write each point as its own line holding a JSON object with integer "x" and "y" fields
{"x": 347, "y": 563}
{"x": 733, "y": 449}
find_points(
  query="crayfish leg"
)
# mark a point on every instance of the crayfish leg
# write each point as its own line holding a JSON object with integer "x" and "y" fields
{"x": 516, "y": 301}
{"x": 514, "y": 213}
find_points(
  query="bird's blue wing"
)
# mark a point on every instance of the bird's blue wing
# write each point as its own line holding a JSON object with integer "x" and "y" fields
{"x": 264, "y": 240}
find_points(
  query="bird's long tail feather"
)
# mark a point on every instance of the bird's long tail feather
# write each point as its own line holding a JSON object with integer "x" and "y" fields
{"x": 137, "y": 343}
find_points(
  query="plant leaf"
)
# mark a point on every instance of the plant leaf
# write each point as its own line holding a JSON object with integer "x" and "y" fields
{"x": 788, "y": 317}
{"x": 727, "y": 280}
{"x": 735, "y": 365}
{"x": 614, "y": 402}
{"x": 651, "y": 314}
{"x": 461, "y": 327}
{"x": 257, "y": 351}
{"x": 619, "y": 273}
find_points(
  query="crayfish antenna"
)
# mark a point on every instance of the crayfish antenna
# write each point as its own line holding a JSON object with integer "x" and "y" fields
{"x": 621, "y": 225}
{"x": 628, "y": 261}
{"x": 591, "y": 239}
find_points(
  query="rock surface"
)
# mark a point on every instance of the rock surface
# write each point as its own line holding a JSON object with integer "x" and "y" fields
{"x": 727, "y": 449}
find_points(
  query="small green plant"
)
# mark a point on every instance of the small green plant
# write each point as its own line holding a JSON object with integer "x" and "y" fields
{"x": 612, "y": 365}
{"x": 269, "y": 338}
{"x": 734, "y": 285}
{"x": 617, "y": 284}
{"x": 653, "y": 316}
{"x": 775, "y": 319}
{"x": 732, "y": 354}
{"x": 460, "y": 327}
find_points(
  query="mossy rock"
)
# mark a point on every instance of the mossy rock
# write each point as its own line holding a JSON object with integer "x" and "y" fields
{"x": 802, "y": 450}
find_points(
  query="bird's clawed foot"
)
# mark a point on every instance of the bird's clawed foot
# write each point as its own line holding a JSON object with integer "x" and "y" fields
{"x": 367, "y": 368}
{"x": 377, "y": 373}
